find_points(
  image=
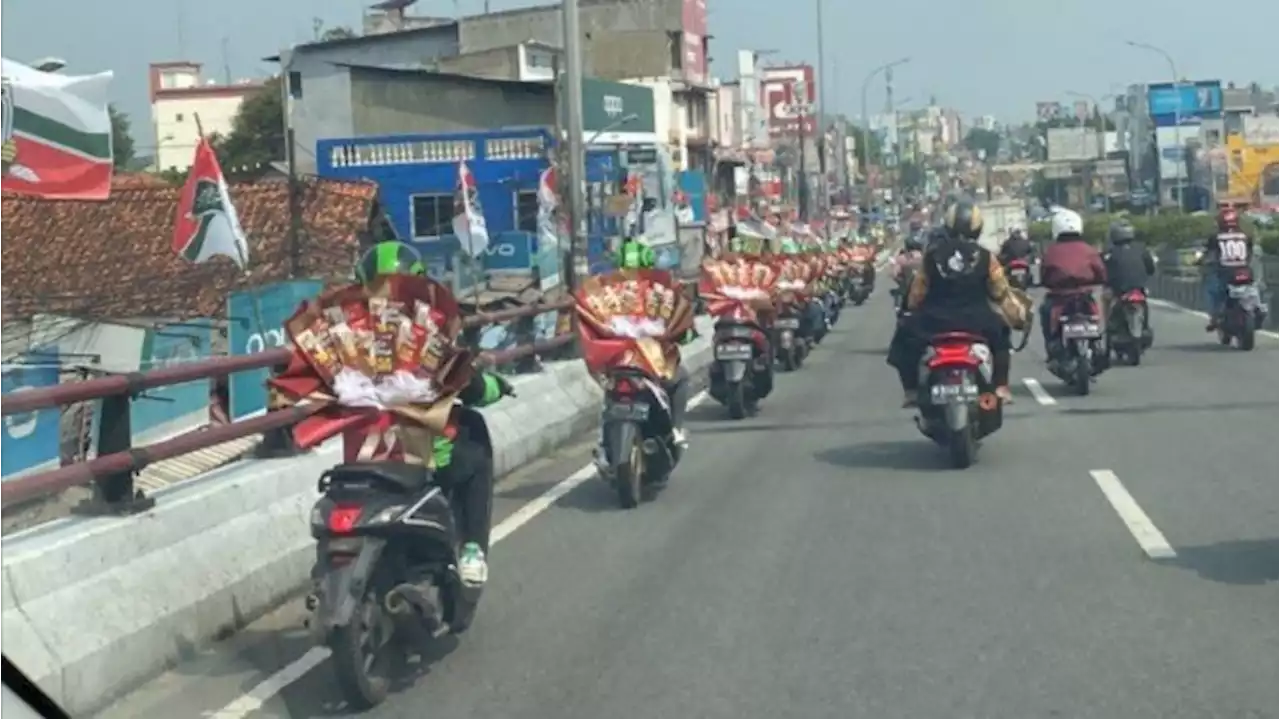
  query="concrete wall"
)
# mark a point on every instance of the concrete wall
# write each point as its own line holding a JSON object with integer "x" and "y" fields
{"x": 500, "y": 63}
{"x": 324, "y": 108}
{"x": 390, "y": 103}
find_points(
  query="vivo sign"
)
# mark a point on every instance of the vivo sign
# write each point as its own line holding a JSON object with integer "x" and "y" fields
{"x": 789, "y": 95}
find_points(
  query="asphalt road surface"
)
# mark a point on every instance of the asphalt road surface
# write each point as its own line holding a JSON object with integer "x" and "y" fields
{"x": 1109, "y": 557}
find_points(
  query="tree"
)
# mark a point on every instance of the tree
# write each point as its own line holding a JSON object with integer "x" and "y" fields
{"x": 980, "y": 140}
{"x": 122, "y": 149}
{"x": 257, "y": 133}
{"x": 337, "y": 33}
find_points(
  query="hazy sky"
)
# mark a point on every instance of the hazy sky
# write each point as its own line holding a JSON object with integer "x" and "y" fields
{"x": 980, "y": 56}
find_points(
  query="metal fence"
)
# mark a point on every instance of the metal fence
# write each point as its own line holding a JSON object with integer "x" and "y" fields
{"x": 1183, "y": 284}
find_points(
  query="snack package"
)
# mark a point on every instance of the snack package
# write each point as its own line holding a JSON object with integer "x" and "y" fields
{"x": 317, "y": 341}
{"x": 386, "y": 327}
{"x": 412, "y": 337}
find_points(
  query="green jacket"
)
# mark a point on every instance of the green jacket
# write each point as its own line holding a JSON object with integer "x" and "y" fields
{"x": 635, "y": 255}
{"x": 484, "y": 390}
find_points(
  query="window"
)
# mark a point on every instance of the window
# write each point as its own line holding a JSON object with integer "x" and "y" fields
{"x": 177, "y": 117}
{"x": 295, "y": 84}
{"x": 526, "y": 211}
{"x": 431, "y": 215}
{"x": 676, "y": 41}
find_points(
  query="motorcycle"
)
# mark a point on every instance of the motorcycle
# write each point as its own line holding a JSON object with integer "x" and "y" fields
{"x": 1077, "y": 354}
{"x": 957, "y": 400}
{"x": 1019, "y": 273}
{"x": 1126, "y": 327}
{"x": 629, "y": 324}
{"x": 385, "y": 576}
{"x": 793, "y": 344}
{"x": 736, "y": 293}
{"x": 859, "y": 289}
{"x": 1243, "y": 312}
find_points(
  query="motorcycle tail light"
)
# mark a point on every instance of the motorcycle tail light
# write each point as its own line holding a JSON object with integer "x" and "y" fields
{"x": 343, "y": 518}
{"x": 951, "y": 355}
{"x": 623, "y": 386}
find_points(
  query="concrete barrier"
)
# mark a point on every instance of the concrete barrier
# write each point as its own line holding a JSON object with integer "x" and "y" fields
{"x": 94, "y": 607}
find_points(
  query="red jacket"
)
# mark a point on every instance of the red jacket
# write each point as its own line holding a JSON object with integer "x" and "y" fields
{"x": 1071, "y": 265}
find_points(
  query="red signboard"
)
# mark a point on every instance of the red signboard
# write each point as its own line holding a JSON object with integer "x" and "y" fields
{"x": 693, "y": 17}
{"x": 785, "y": 115}
{"x": 693, "y": 21}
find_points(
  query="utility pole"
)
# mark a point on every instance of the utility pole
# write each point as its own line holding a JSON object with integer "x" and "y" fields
{"x": 799, "y": 97}
{"x": 575, "y": 170}
{"x": 820, "y": 126}
{"x": 291, "y": 157}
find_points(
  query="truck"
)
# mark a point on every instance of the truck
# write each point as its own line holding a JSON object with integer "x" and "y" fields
{"x": 999, "y": 218}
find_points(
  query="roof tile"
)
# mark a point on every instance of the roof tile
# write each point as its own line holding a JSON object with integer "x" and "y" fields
{"x": 112, "y": 259}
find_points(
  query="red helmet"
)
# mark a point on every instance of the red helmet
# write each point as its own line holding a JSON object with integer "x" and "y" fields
{"x": 1228, "y": 220}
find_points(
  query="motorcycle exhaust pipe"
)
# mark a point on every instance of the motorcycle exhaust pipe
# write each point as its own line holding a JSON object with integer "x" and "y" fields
{"x": 403, "y": 598}
{"x": 396, "y": 604}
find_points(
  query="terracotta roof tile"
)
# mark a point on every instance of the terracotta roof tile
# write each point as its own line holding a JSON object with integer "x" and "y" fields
{"x": 122, "y": 180}
{"x": 113, "y": 259}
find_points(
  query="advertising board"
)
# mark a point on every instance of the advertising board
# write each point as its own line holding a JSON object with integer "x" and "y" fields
{"x": 693, "y": 22}
{"x": 1260, "y": 131}
{"x": 1046, "y": 111}
{"x": 255, "y": 322}
{"x": 1171, "y": 144}
{"x": 783, "y": 108}
{"x": 1071, "y": 144}
{"x": 1168, "y": 103}
{"x": 30, "y": 439}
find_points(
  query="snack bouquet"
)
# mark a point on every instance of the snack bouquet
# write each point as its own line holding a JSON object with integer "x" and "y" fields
{"x": 795, "y": 273}
{"x": 632, "y": 317}
{"x": 737, "y": 284}
{"x": 383, "y": 364}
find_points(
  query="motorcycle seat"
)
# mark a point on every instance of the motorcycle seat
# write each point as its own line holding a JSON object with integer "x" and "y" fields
{"x": 950, "y": 337}
{"x": 407, "y": 478}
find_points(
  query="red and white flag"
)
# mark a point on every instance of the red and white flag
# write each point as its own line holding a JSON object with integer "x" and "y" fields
{"x": 206, "y": 223}
{"x": 56, "y": 133}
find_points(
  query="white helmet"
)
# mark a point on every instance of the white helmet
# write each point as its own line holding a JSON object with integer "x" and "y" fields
{"x": 1067, "y": 222}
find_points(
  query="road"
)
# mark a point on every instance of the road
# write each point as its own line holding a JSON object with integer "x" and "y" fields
{"x": 1113, "y": 556}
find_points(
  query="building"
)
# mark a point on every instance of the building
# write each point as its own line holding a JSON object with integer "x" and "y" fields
{"x": 530, "y": 61}
{"x": 183, "y": 104}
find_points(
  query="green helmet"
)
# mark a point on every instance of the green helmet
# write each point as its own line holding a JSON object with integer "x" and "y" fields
{"x": 389, "y": 258}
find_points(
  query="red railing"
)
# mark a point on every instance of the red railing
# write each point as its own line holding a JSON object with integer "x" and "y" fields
{"x": 111, "y": 472}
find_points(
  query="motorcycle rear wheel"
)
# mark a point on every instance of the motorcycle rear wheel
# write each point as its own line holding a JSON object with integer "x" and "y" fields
{"x": 629, "y": 477}
{"x": 962, "y": 447}
{"x": 737, "y": 400}
{"x": 361, "y": 656}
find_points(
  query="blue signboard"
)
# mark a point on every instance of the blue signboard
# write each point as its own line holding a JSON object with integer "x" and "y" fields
{"x": 30, "y": 440}
{"x": 600, "y": 259}
{"x": 693, "y": 183}
{"x": 667, "y": 257}
{"x": 1201, "y": 99}
{"x": 255, "y": 322}
{"x": 510, "y": 252}
{"x": 165, "y": 347}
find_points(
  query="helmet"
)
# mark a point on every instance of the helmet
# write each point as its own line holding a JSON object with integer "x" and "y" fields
{"x": 1017, "y": 234}
{"x": 963, "y": 219}
{"x": 914, "y": 242}
{"x": 1228, "y": 220}
{"x": 1066, "y": 222}
{"x": 1121, "y": 232}
{"x": 389, "y": 258}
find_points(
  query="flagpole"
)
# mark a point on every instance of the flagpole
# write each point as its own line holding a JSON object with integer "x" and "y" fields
{"x": 256, "y": 305}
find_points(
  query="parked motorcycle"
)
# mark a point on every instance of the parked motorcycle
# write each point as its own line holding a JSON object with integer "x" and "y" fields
{"x": 793, "y": 344}
{"x": 1243, "y": 313}
{"x": 629, "y": 326}
{"x": 1126, "y": 327}
{"x": 1077, "y": 353}
{"x": 738, "y": 293}
{"x": 957, "y": 400}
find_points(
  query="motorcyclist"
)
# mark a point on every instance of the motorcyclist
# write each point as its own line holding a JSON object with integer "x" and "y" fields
{"x": 1129, "y": 265}
{"x": 952, "y": 292}
{"x": 636, "y": 255}
{"x": 1070, "y": 266}
{"x": 1226, "y": 252}
{"x": 814, "y": 314}
{"x": 1016, "y": 247}
{"x": 909, "y": 256}
{"x": 461, "y": 462}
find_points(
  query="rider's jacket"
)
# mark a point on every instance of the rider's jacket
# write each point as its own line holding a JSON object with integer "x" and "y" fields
{"x": 1227, "y": 252}
{"x": 1071, "y": 264}
{"x": 1128, "y": 267}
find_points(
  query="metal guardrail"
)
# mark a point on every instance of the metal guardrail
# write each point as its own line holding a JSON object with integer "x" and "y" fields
{"x": 1185, "y": 286}
{"x": 111, "y": 473}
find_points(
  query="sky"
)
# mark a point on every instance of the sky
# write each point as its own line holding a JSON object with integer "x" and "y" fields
{"x": 981, "y": 57}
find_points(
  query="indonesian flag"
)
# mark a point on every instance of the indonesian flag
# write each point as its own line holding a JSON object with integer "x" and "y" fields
{"x": 56, "y": 134}
{"x": 206, "y": 223}
{"x": 468, "y": 216}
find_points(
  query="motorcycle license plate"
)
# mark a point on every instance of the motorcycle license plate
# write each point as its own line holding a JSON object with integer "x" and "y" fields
{"x": 944, "y": 393}
{"x": 732, "y": 352}
{"x": 1081, "y": 330}
{"x": 1019, "y": 274}
{"x": 734, "y": 332}
{"x": 788, "y": 323}
{"x": 627, "y": 411}
{"x": 1239, "y": 292}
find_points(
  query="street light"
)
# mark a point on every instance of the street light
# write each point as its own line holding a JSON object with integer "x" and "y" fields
{"x": 866, "y": 119}
{"x": 624, "y": 120}
{"x": 1177, "y": 109}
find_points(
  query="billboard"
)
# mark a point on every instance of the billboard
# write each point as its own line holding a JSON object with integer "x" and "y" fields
{"x": 1186, "y": 102}
{"x": 31, "y": 439}
{"x": 1171, "y": 144}
{"x": 778, "y": 87}
{"x": 1260, "y": 131}
{"x": 693, "y": 22}
{"x": 1046, "y": 111}
{"x": 1072, "y": 144}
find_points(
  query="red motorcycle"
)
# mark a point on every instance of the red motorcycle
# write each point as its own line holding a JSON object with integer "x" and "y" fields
{"x": 1126, "y": 327}
{"x": 958, "y": 403}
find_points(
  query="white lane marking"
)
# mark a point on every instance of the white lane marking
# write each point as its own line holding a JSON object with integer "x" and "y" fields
{"x": 1038, "y": 391}
{"x": 1139, "y": 524}
{"x": 255, "y": 698}
{"x": 1202, "y": 315}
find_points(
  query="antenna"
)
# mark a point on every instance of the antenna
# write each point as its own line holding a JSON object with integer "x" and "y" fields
{"x": 226, "y": 61}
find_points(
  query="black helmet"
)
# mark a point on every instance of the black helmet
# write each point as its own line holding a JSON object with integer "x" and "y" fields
{"x": 1121, "y": 232}
{"x": 963, "y": 219}
{"x": 914, "y": 242}
{"x": 389, "y": 258}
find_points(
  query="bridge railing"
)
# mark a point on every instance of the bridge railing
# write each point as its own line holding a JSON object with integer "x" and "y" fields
{"x": 111, "y": 473}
